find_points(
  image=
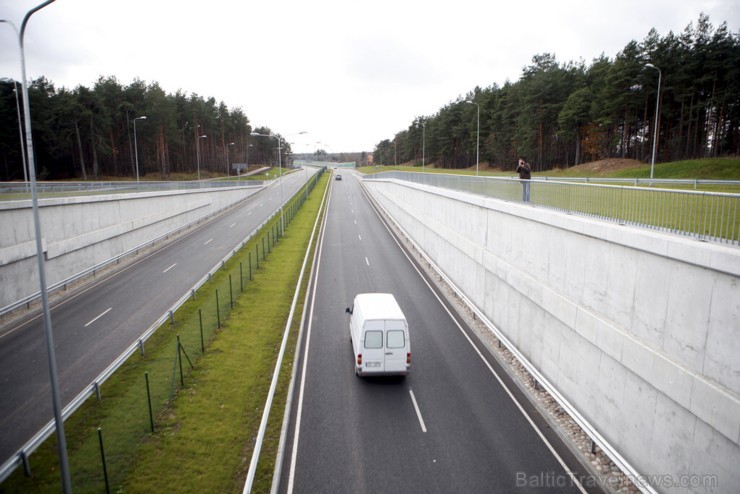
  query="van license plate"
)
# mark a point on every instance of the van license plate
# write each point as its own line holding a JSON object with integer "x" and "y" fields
{"x": 372, "y": 364}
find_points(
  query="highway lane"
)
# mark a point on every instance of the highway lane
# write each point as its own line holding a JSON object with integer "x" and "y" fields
{"x": 449, "y": 426}
{"x": 93, "y": 327}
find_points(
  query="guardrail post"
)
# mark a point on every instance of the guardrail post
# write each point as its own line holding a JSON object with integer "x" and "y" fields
{"x": 141, "y": 347}
{"x": 96, "y": 387}
{"x": 192, "y": 293}
{"x": 26, "y": 464}
{"x": 172, "y": 318}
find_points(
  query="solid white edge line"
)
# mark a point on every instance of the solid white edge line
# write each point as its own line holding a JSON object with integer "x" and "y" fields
{"x": 101, "y": 315}
{"x": 299, "y": 411}
{"x": 163, "y": 272}
{"x": 418, "y": 412}
{"x": 490, "y": 368}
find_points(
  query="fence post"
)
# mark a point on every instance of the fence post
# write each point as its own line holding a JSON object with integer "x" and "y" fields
{"x": 241, "y": 277}
{"x": 149, "y": 400}
{"x": 200, "y": 320}
{"x": 102, "y": 456}
{"x": 179, "y": 361}
{"x": 218, "y": 311}
{"x": 231, "y": 293}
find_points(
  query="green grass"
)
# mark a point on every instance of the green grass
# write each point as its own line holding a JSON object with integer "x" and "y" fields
{"x": 204, "y": 431}
{"x": 707, "y": 169}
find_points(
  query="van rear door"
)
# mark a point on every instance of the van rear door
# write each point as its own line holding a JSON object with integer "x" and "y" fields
{"x": 373, "y": 353}
{"x": 395, "y": 346}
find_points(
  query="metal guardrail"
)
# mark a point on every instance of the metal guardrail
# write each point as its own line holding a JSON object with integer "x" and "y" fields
{"x": 134, "y": 250}
{"x": 21, "y": 456}
{"x": 121, "y": 186}
{"x": 705, "y": 216}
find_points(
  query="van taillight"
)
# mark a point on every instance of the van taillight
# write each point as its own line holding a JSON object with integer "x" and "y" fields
{"x": 359, "y": 359}
{"x": 408, "y": 358}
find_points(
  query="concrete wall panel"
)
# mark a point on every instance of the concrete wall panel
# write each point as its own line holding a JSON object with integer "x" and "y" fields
{"x": 81, "y": 232}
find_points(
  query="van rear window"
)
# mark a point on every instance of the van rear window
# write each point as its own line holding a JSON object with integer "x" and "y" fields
{"x": 396, "y": 339}
{"x": 373, "y": 339}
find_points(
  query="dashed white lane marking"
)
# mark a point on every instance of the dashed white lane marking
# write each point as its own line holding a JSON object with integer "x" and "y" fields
{"x": 169, "y": 268}
{"x": 208, "y": 241}
{"x": 367, "y": 262}
{"x": 418, "y": 412}
{"x": 101, "y": 315}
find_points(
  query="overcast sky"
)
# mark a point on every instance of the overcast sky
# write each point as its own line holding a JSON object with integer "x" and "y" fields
{"x": 349, "y": 73}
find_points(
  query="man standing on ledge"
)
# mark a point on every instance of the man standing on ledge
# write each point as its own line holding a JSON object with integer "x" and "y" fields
{"x": 525, "y": 173}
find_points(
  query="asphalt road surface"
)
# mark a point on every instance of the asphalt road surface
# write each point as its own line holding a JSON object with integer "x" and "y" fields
{"x": 93, "y": 327}
{"x": 449, "y": 426}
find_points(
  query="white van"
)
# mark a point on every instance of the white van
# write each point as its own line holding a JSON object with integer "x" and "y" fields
{"x": 380, "y": 335}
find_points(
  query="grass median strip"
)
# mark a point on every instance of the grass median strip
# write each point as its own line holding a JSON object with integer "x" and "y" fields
{"x": 203, "y": 432}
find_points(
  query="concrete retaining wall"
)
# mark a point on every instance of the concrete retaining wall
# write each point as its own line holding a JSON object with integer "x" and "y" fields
{"x": 81, "y": 232}
{"x": 640, "y": 331}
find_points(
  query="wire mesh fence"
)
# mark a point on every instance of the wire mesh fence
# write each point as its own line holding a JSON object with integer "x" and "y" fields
{"x": 707, "y": 216}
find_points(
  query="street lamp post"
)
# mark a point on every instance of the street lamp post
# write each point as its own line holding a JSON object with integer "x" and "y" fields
{"x": 280, "y": 173}
{"x": 136, "y": 148}
{"x": 655, "y": 127}
{"x": 197, "y": 151}
{"x": 48, "y": 333}
{"x": 477, "y": 139}
{"x": 423, "y": 143}
{"x": 20, "y": 133}
{"x": 227, "y": 158}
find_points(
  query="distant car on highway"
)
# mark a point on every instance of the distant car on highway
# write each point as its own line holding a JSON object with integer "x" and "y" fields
{"x": 338, "y": 177}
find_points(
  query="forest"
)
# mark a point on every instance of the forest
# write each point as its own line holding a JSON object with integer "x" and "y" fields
{"x": 555, "y": 115}
{"x": 561, "y": 114}
{"x": 88, "y": 133}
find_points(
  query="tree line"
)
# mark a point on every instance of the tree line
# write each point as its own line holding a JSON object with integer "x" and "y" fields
{"x": 88, "y": 132}
{"x": 559, "y": 115}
